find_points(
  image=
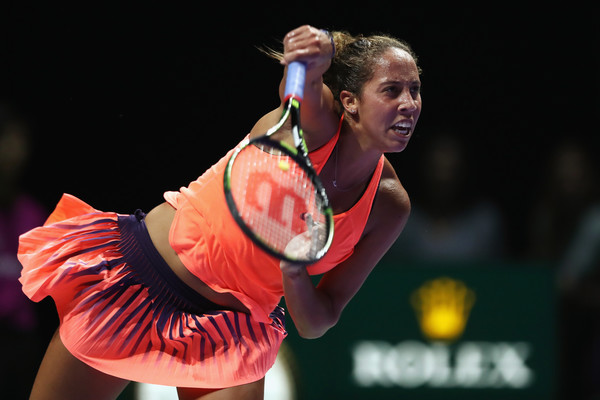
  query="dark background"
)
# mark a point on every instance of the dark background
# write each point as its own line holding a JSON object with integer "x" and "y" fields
{"x": 127, "y": 102}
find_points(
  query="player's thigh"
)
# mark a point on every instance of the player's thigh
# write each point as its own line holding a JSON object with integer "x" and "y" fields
{"x": 250, "y": 391}
{"x": 62, "y": 376}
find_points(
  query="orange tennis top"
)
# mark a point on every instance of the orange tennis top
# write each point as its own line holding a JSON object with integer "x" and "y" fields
{"x": 212, "y": 246}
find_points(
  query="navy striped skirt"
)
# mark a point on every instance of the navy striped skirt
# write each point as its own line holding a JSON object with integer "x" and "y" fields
{"x": 124, "y": 311}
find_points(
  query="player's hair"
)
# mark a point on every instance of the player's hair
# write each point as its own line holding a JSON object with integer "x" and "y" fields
{"x": 354, "y": 60}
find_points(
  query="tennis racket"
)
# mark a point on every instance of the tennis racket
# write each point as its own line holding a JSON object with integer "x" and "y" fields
{"x": 273, "y": 191}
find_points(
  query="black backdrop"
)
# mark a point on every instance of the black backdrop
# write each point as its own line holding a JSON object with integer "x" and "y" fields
{"x": 126, "y": 102}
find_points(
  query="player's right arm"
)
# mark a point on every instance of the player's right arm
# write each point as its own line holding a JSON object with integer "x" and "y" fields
{"x": 319, "y": 120}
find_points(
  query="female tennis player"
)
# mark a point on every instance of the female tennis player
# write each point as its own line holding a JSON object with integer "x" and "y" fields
{"x": 181, "y": 296}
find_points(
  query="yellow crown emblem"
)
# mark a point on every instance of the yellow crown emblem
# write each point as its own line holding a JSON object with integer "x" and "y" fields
{"x": 442, "y": 306}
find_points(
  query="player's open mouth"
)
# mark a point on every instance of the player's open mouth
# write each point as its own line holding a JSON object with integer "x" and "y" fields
{"x": 403, "y": 128}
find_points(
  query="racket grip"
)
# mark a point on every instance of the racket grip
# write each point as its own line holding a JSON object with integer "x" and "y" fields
{"x": 294, "y": 83}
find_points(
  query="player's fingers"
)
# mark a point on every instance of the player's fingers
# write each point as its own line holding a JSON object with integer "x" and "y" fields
{"x": 309, "y": 46}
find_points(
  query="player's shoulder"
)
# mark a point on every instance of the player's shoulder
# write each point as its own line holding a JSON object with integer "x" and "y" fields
{"x": 390, "y": 209}
{"x": 392, "y": 202}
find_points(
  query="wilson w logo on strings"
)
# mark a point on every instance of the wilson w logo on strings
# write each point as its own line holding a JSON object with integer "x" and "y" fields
{"x": 276, "y": 203}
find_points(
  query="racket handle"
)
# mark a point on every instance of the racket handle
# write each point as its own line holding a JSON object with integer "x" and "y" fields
{"x": 294, "y": 83}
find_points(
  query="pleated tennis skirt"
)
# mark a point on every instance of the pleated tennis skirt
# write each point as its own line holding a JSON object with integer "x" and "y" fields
{"x": 124, "y": 312}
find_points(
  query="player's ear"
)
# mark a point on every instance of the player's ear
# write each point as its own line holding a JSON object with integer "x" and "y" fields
{"x": 349, "y": 101}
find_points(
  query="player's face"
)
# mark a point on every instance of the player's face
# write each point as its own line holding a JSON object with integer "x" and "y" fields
{"x": 390, "y": 103}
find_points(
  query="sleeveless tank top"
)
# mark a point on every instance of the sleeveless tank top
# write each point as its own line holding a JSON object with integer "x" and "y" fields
{"x": 212, "y": 246}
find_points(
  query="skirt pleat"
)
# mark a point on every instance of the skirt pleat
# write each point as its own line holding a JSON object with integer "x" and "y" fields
{"x": 124, "y": 312}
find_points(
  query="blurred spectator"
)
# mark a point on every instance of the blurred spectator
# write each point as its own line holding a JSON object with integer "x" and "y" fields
{"x": 569, "y": 190}
{"x": 19, "y": 212}
{"x": 449, "y": 220}
{"x": 565, "y": 231}
{"x": 581, "y": 260}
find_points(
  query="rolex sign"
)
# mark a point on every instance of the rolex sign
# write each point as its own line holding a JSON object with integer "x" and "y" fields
{"x": 436, "y": 332}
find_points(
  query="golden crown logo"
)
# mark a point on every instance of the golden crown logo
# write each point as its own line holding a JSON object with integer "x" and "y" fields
{"x": 442, "y": 307}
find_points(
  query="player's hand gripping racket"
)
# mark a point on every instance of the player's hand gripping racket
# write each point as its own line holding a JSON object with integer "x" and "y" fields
{"x": 274, "y": 193}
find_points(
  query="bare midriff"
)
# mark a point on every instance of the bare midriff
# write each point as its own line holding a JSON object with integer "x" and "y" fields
{"x": 158, "y": 222}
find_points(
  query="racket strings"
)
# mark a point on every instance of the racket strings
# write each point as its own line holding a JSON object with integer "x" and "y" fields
{"x": 276, "y": 198}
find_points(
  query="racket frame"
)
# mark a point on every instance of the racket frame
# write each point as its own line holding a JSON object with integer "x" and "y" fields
{"x": 298, "y": 154}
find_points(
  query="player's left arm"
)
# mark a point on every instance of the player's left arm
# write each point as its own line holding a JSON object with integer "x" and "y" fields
{"x": 317, "y": 309}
